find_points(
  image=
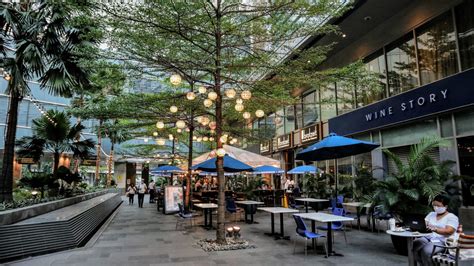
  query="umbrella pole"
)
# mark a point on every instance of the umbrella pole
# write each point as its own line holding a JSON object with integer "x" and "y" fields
{"x": 335, "y": 176}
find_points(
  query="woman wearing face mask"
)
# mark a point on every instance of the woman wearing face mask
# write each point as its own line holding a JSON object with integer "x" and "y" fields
{"x": 442, "y": 224}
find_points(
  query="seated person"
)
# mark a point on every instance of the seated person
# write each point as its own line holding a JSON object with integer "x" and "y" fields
{"x": 198, "y": 185}
{"x": 442, "y": 224}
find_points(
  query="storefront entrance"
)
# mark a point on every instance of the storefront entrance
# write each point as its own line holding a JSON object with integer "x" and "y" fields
{"x": 466, "y": 166}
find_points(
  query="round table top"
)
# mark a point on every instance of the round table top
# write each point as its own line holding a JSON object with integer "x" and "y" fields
{"x": 407, "y": 233}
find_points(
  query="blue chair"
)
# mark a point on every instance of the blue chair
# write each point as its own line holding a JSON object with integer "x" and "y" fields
{"x": 302, "y": 231}
{"x": 379, "y": 214}
{"x": 336, "y": 226}
{"x": 231, "y": 207}
{"x": 293, "y": 204}
{"x": 182, "y": 217}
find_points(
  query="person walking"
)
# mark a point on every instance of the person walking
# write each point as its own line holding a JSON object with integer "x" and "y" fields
{"x": 141, "y": 193}
{"x": 151, "y": 191}
{"x": 131, "y": 190}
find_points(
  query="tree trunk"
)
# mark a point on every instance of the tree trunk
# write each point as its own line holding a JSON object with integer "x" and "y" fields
{"x": 220, "y": 232}
{"x": 99, "y": 144}
{"x": 56, "y": 164}
{"x": 77, "y": 159}
{"x": 190, "y": 163}
{"x": 109, "y": 165}
{"x": 9, "y": 149}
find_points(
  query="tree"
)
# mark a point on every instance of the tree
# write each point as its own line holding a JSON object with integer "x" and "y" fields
{"x": 230, "y": 44}
{"x": 57, "y": 135}
{"x": 116, "y": 135}
{"x": 38, "y": 41}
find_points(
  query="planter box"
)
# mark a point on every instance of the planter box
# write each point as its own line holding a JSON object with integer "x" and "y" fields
{"x": 19, "y": 214}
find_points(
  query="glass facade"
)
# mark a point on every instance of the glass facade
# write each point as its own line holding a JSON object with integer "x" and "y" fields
{"x": 345, "y": 97}
{"x": 328, "y": 101}
{"x": 401, "y": 65}
{"x": 310, "y": 108}
{"x": 436, "y": 43}
{"x": 376, "y": 65}
{"x": 465, "y": 29}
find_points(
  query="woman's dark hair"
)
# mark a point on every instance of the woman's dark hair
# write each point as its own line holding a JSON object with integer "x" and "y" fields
{"x": 443, "y": 199}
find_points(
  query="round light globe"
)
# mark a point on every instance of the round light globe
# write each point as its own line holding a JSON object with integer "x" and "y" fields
{"x": 155, "y": 134}
{"x": 246, "y": 95}
{"x": 239, "y": 107}
{"x": 220, "y": 152}
{"x": 175, "y": 79}
{"x": 259, "y": 113}
{"x": 246, "y": 115}
{"x": 160, "y": 125}
{"x": 173, "y": 109}
{"x": 190, "y": 96}
{"x": 212, "y": 95}
{"x": 230, "y": 93}
{"x": 208, "y": 103}
{"x": 239, "y": 101}
{"x": 180, "y": 124}
{"x": 202, "y": 89}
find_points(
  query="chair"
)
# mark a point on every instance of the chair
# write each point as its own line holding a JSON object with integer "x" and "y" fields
{"x": 292, "y": 203}
{"x": 379, "y": 214}
{"x": 232, "y": 208}
{"x": 336, "y": 226}
{"x": 303, "y": 232}
{"x": 455, "y": 253}
{"x": 182, "y": 217}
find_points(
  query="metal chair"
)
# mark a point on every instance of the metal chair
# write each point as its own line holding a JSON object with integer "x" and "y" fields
{"x": 302, "y": 231}
{"x": 336, "y": 226}
{"x": 455, "y": 253}
{"x": 182, "y": 217}
{"x": 379, "y": 214}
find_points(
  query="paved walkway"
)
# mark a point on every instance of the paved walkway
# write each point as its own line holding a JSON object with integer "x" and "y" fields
{"x": 145, "y": 237}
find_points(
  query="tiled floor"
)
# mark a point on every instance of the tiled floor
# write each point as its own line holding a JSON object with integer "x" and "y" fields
{"x": 145, "y": 237}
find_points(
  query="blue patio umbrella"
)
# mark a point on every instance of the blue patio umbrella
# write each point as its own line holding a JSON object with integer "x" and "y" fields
{"x": 166, "y": 169}
{"x": 231, "y": 165}
{"x": 303, "y": 170}
{"x": 267, "y": 169}
{"x": 335, "y": 147}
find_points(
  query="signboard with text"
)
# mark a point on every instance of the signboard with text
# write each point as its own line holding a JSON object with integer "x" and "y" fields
{"x": 447, "y": 94}
{"x": 310, "y": 133}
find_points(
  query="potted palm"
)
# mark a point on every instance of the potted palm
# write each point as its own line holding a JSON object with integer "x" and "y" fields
{"x": 316, "y": 186}
{"x": 410, "y": 189}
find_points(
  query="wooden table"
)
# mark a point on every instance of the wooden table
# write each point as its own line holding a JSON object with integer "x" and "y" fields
{"x": 207, "y": 209}
{"x": 308, "y": 200}
{"x": 325, "y": 218}
{"x": 359, "y": 206}
{"x": 410, "y": 236}
{"x": 248, "y": 203}
{"x": 281, "y": 211}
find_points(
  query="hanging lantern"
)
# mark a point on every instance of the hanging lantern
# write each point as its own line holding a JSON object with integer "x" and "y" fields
{"x": 246, "y": 115}
{"x": 212, "y": 125}
{"x": 155, "y": 134}
{"x": 223, "y": 139}
{"x": 208, "y": 103}
{"x": 246, "y": 95}
{"x": 180, "y": 124}
{"x": 160, "y": 125}
{"x": 190, "y": 95}
{"x": 205, "y": 121}
{"x": 205, "y": 138}
{"x": 230, "y": 93}
{"x": 212, "y": 95}
{"x": 175, "y": 79}
{"x": 179, "y": 130}
{"x": 259, "y": 113}
{"x": 187, "y": 129}
{"x": 170, "y": 137}
{"x": 212, "y": 131}
{"x": 202, "y": 89}
{"x": 220, "y": 152}
{"x": 161, "y": 141}
{"x": 194, "y": 137}
{"x": 239, "y": 107}
{"x": 211, "y": 139}
{"x": 199, "y": 139}
{"x": 173, "y": 109}
{"x": 239, "y": 101}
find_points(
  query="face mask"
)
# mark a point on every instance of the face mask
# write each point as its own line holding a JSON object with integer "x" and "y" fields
{"x": 439, "y": 210}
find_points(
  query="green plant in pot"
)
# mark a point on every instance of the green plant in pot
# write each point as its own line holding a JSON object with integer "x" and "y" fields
{"x": 411, "y": 188}
{"x": 316, "y": 186}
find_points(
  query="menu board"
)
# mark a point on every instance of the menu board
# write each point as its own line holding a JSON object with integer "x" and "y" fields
{"x": 173, "y": 196}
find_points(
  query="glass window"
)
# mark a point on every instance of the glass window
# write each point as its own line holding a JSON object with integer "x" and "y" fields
{"x": 3, "y": 109}
{"x": 23, "y": 113}
{"x": 465, "y": 28}
{"x": 412, "y": 133}
{"x": 299, "y": 115}
{"x": 368, "y": 95}
{"x": 289, "y": 119}
{"x": 328, "y": 102}
{"x": 446, "y": 125}
{"x": 436, "y": 44}
{"x": 401, "y": 63}
{"x": 345, "y": 97}
{"x": 270, "y": 126}
{"x": 464, "y": 122}
{"x": 310, "y": 109}
{"x": 280, "y": 122}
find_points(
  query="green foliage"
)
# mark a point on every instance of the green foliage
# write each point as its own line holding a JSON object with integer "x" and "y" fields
{"x": 67, "y": 176}
{"x": 316, "y": 186}
{"x": 253, "y": 184}
{"x": 365, "y": 183}
{"x": 416, "y": 182}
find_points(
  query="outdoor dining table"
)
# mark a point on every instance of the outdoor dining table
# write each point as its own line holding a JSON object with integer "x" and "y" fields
{"x": 325, "y": 218}
{"x": 308, "y": 200}
{"x": 207, "y": 209}
{"x": 410, "y": 236}
{"x": 359, "y": 206}
{"x": 248, "y": 204}
{"x": 281, "y": 211}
